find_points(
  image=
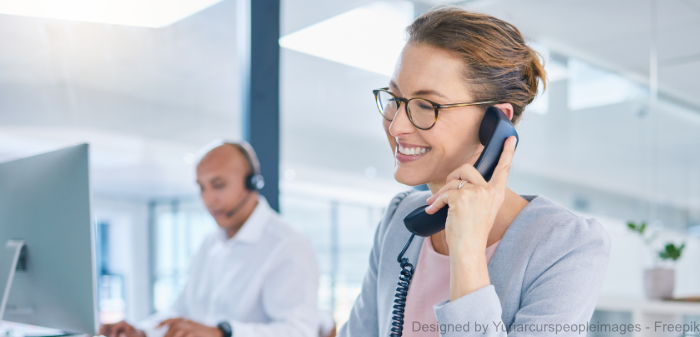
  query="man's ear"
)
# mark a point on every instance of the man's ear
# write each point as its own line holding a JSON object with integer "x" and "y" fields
{"x": 507, "y": 109}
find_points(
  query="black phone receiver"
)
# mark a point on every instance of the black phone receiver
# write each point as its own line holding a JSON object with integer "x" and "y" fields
{"x": 494, "y": 130}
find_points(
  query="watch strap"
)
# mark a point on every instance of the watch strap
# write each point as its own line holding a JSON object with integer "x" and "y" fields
{"x": 225, "y": 328}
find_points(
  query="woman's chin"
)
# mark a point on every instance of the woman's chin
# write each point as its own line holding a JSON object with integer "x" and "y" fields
{"x": 409, "y": 178}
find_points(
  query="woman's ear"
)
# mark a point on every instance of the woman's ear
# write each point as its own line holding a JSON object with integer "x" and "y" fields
{"x": 507, "y": 109}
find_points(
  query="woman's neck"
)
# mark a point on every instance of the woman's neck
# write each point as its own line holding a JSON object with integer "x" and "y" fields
{"x": 512, "y": 205}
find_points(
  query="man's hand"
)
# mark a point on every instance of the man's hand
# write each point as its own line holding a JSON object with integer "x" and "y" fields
{"x": 121, "y": 329}
{"x": 180, "y": 327}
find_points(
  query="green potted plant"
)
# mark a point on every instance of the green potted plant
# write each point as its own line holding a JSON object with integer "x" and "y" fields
{"x": 659, "y": 280}
{"x": 671, "y": 252}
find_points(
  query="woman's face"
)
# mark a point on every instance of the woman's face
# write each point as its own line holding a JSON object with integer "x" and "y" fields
{"x": 427, "y": 72}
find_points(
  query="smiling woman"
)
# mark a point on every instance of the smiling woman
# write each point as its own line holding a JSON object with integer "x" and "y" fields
{"x": 503, "y": 260}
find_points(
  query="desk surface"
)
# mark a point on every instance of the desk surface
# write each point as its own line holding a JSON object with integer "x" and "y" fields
{"x": 21, "y": 330}
{"x": 648, "y": 306}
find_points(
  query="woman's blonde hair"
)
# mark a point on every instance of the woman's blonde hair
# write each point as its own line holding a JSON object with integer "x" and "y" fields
{"x": 498, "y": 63}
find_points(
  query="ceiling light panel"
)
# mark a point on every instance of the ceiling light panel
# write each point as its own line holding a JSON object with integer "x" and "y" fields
{"x": 142, "y": 13}
{"x": 370, "y": 37}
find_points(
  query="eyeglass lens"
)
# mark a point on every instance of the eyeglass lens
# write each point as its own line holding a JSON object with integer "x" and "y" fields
{"x": 422, "y": 112}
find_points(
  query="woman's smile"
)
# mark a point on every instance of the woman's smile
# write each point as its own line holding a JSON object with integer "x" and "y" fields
{"x": 408, "y": 152}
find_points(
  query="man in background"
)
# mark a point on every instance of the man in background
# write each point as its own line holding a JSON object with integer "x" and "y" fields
{"x": 254, "y": 276}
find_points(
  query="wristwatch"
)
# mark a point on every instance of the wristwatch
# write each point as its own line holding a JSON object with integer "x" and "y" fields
{"x": 225, "y": 329}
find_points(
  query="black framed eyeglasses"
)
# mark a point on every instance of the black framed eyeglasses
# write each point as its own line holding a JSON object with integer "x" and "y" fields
{"x": 421, "y": 112}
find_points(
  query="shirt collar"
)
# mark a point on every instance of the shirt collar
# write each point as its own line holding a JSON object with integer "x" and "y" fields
{"x": 253, "y": 228}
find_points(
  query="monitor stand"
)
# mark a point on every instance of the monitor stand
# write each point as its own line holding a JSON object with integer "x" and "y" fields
{"x": 10, "y": 260}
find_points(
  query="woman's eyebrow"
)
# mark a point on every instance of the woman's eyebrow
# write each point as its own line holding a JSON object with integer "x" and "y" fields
{"x": 392, "y": 84}
{"x": 428, "y": 92}
{"x": 419, "y": 92}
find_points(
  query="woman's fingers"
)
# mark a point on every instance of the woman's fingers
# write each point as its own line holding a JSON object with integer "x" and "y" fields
{"x": 499, "y": 179}
{"x": 439, "y": 202}
{"x": 470, "y": 176}
{"x": 467, "y": 193}
{"x": 469, "y": 173}
{"x": 451, "y": 185}
{"x": 433, "y": 206}
{"x": 466, "y": 173}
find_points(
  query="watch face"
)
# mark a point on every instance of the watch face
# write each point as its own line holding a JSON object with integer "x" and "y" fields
{"x": 225, "y": 329}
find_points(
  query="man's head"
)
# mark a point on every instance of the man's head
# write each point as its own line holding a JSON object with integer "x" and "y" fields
{"x": 221, "y": 175}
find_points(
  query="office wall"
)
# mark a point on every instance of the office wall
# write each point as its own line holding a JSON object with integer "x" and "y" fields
{"x": 129, "y": 249}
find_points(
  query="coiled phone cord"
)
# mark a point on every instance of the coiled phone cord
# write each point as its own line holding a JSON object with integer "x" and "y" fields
{"x": 407, "y": 270}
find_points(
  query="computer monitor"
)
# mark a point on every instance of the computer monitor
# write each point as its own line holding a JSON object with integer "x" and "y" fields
{"x": 45, "y": 204}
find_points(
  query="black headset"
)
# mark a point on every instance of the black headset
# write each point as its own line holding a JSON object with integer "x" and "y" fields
{"x": 254, "y": 181}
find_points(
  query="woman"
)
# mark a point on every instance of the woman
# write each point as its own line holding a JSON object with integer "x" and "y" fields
{"x": 505, "y": 263}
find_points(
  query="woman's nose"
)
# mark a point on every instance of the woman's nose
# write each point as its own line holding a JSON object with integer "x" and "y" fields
{"x": 401, "y": 125}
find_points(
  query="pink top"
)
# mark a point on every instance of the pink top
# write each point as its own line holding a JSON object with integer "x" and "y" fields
{"x": 430, "y": 285}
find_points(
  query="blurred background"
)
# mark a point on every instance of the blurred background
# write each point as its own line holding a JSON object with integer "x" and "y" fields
{"x": 615, "y": 136}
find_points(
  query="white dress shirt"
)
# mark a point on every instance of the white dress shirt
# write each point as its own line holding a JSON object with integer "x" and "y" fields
{"x": 263, "y": 281}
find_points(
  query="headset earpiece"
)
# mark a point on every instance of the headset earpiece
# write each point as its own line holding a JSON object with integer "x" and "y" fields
{"x": 254, "y": 182}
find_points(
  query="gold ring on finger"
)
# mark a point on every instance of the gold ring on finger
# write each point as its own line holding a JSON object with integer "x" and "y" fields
{"x": 461, "y": 184}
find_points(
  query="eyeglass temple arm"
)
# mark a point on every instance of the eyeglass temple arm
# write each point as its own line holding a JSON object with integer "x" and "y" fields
{"x": 466, "y": 104}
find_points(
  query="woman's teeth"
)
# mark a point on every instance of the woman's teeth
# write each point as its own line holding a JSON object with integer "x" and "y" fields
{"x": 413, "y": 151}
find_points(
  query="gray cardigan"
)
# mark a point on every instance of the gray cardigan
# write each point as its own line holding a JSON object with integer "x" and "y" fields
{"x": 545, "y": 276}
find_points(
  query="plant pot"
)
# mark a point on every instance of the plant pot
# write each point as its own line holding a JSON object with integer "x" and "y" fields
{"x": 658, "y": 283}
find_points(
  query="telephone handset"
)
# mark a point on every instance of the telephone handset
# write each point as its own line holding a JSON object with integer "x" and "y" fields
{"x": 495, "y": 128}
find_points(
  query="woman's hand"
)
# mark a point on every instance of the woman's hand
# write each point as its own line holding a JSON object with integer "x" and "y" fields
{"x": 473, "y": 210}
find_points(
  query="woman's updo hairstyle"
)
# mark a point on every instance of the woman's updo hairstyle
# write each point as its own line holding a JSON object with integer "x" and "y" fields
{"x": 498, "y": 63}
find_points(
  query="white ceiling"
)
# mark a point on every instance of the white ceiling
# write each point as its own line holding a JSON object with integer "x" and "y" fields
{"x": 168, "y": 91}
{"x": 177, "y": 83}
{"x": 616, "y": 35}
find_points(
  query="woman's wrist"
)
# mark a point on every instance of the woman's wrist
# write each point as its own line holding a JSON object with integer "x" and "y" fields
{"x": 468, "y": 273}
{"x": 468, "y": 249}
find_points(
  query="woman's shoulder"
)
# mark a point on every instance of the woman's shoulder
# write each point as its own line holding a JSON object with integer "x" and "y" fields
{"x": 405, "y": 202}
{"x": 550, "y": 226}
{"x": 400, "y": 205}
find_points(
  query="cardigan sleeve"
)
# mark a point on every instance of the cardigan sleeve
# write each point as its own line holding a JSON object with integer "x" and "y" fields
{"x": 567, "y": 269}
